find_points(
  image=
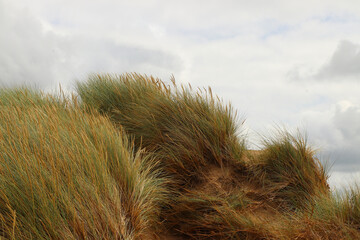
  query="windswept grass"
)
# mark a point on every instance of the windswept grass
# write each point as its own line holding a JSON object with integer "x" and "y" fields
{"x": 347, "y": 206}
{"x": 131, "y": 157}
{"x": 67, "y": 174}
{"x": 289, "y": 172}
{"x": 187, "y": 129}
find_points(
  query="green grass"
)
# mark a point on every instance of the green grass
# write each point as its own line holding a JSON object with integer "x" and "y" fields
{"x": 187, "y": 129}
{"x": 131, "y": 157}
{"x": 68, "y": 174}
{"x": 288, "y": 170}
{"x": 349, "y": 205}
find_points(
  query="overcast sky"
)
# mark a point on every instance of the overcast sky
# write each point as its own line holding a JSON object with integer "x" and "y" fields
{"x": 291, "y": 63}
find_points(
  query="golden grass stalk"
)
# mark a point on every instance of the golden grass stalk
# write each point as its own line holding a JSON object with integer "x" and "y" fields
{"x": 69, "y": 174}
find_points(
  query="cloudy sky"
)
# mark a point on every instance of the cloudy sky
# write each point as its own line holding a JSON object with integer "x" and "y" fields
{"x": 289, "y": 63}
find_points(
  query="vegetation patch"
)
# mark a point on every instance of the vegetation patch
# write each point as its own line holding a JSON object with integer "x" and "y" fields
{"x": 131, "y": 157}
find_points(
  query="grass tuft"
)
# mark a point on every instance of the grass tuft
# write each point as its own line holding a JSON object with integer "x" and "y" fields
{"x": 132, "y": 157}
{"x": 69, "y": 174}
{"x": 187, "y": 129}
{"x": 289, "y": 172}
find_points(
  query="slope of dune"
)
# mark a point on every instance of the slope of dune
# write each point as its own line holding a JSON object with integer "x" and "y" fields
{"x": 131, "y": 157}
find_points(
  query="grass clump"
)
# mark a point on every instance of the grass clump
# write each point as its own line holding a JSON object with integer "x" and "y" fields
{"x": 352, "y": 206}
{"x": 131, "y": 157}
{"x": 187, "y": 129}
{"x": 68, "y": 174}
{"x": 289, "y": 172}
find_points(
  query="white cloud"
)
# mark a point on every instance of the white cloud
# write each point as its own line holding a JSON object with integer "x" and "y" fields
{"x": 341, "y": 180}
{"x": 245, "y": 50}
{"x": 28, "y": 55}
{"x": 36, "y": 53}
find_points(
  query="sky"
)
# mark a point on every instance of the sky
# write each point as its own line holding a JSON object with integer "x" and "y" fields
{"x": 294, "y": 64}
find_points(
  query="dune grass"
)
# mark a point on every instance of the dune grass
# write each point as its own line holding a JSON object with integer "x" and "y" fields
{"x": 288, "y": 170}
{"x": 131, "y": 157}
{"x": 187, "y": 129}
{"x": 68, "y": 174}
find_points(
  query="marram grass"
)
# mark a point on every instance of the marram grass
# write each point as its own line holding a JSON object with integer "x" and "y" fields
{"x": 131, "y": 157}
{"x": 288, "y": 170}
{"x": 67, "y": 174}
{"x": 187, "y": 129}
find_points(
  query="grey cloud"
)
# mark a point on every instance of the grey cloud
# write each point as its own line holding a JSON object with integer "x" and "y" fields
{"x": 345, "y": 152}
{"x": 336, "y": 133}
{"x": 27, "y": 52}
{"x": 105, "y": 55}
{"x": 343, "y": 64}
{"x": 344, "y": 160}
{"x": 84, "y": 55}
{"x": 33, "y": 56}
{"x": 348, "y": 122}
